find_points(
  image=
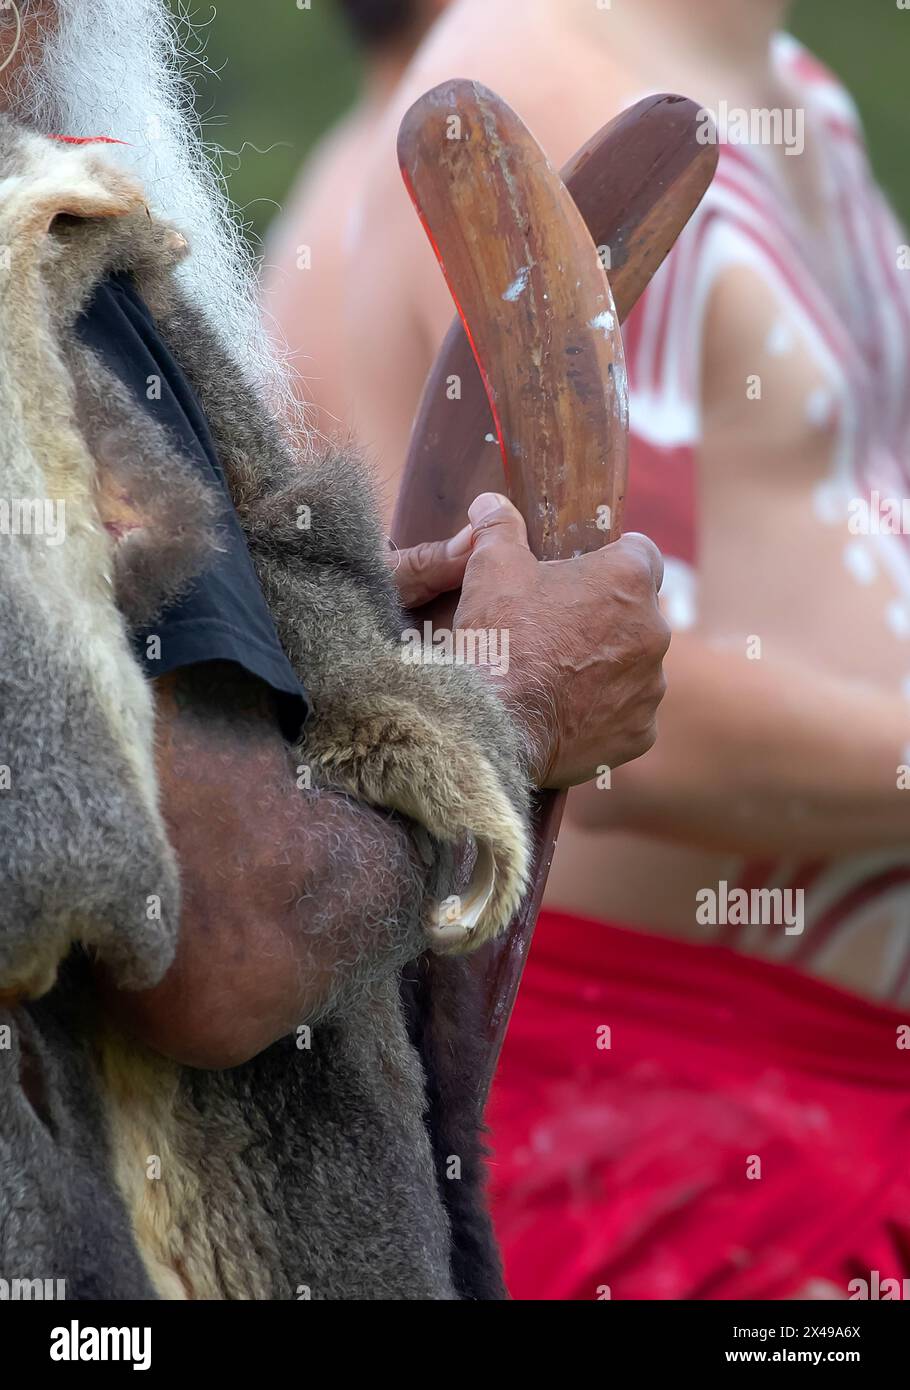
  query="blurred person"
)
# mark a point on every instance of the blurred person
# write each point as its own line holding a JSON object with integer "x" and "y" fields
{"x": 307, "y": 250}
{"x": 740, "y": 1130}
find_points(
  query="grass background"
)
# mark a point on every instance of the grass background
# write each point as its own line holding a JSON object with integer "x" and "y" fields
{"x": 285, "y": 74}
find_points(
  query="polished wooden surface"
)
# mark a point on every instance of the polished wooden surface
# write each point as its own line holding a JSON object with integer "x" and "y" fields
{"x": 636, "y": 184}
{"x": 527, "y": 394}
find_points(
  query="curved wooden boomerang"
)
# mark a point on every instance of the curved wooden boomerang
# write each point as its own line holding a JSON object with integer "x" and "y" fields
{"x": 536, "y": 307}
{"x": 536, "y": 349}
{"x": 636, "y": 183}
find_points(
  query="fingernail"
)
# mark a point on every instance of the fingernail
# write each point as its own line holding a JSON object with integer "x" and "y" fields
{"x": 483, "y": 506}
{"x": 460, "y": 544}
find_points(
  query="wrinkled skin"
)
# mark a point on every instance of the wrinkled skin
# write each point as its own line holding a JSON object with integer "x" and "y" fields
{"x": 586, "y": 646}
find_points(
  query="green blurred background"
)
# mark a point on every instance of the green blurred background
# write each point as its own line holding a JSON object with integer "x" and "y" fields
{"x": 285, "y": 73}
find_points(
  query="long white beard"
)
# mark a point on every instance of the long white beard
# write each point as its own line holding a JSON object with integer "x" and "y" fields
{"x": 120, "y": 68}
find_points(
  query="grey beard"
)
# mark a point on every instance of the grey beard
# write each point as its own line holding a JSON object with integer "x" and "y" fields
{"x": 123, "y": 69}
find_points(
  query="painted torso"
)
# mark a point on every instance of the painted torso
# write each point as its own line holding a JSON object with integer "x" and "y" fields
{"x": 796, "y": 344}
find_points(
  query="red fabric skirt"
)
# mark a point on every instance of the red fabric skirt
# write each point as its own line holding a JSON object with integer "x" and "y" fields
{"x": 678, "y": 1121}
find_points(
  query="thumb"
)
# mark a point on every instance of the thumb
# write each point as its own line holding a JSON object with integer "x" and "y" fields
{"x": 495, "y": 521}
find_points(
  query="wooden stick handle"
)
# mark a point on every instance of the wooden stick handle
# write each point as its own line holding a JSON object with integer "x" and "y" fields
{"x": 527, "y": 392}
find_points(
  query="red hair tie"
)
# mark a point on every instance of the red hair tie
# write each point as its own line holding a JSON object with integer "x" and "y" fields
{"x": 88, "y": 139}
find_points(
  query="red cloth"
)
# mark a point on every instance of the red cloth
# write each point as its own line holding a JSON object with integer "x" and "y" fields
{"x": 628, "y": 1167}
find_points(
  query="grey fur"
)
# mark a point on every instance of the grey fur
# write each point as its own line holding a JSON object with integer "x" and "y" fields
{"x": 60, "y": 1214}
{"x": 311, "y": 1167}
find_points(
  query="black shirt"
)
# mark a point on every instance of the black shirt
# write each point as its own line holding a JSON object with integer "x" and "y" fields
{"x": 224, "y": 616}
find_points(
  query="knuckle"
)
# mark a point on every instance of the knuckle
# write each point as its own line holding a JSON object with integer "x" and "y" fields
{"x": 636, "y": 558}
{"x": 422, "y": 557}
{"x": 644, "y": 559}
{"x": 500, "y": 527}
{"x": 646, "y": 739}
{"x": 663, "y": 635}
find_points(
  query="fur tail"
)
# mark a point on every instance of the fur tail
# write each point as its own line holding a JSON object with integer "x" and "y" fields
{"x": 393, "y": 756}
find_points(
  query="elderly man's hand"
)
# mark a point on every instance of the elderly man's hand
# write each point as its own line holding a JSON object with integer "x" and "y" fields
{"x": 586, "y": 636}
{"x": 263, "y": 866}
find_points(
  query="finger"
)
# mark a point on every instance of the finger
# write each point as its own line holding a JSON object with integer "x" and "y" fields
{"x": 649, "y": 552}
{"x": 496, "y": 521}
{"x": 423, "y": 572}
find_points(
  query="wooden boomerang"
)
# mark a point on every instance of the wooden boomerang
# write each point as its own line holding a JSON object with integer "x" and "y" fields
{"x": 536, "y": 349}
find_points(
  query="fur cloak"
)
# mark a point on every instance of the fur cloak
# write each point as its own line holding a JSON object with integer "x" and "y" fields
{"x": 322, "y": 1171}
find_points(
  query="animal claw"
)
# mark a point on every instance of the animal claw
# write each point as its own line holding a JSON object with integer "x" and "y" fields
{"x": 454, "y": 920}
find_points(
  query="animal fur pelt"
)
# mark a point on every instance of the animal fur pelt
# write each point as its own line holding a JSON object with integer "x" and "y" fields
{"x": 317, "y": 1172}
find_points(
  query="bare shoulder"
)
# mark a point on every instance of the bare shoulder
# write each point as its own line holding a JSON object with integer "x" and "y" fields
{"x": 531, "y": 57}
{"x": 536, "y": 64}
{"x": 323, "y": 184}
